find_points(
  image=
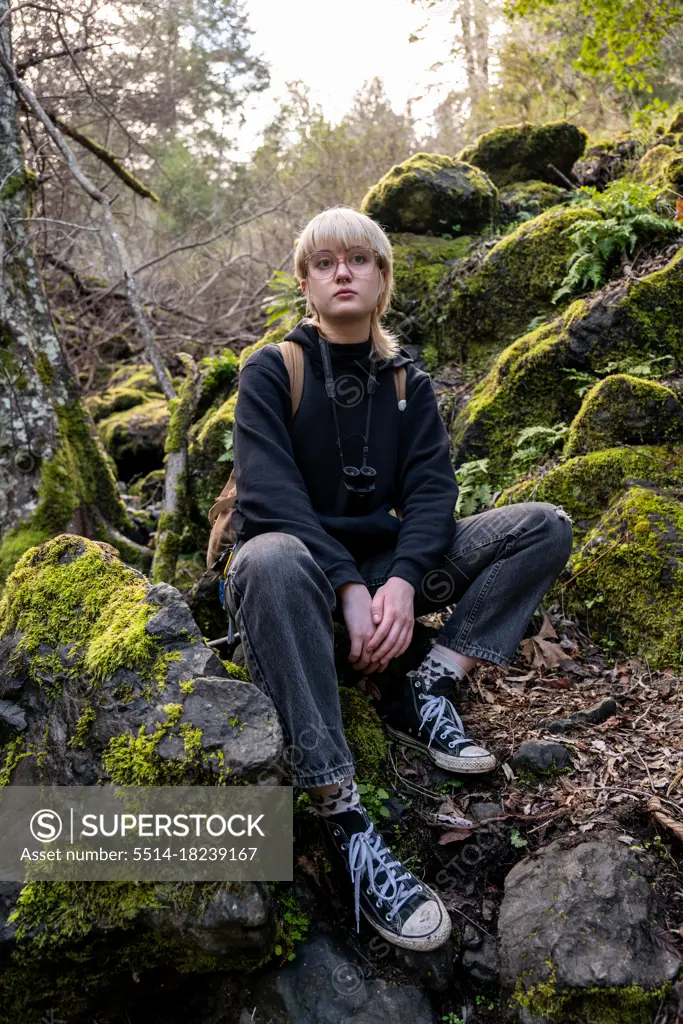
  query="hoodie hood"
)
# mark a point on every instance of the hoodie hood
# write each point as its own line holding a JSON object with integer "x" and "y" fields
{"x": 307, "y": 336}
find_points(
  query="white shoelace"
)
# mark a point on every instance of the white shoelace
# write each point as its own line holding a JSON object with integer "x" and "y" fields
{"x": 446, "y": 716}
{"x": 367, "y": 852}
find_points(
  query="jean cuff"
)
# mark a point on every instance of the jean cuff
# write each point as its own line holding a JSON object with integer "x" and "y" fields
{"x": 475, "y": 652}
{"x": 324, "y": 778}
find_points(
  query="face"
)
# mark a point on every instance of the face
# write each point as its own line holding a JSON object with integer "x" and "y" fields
{"x": 346, "y": 293}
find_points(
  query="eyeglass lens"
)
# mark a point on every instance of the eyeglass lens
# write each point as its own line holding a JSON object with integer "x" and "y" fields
{"x": 323, "y": 265}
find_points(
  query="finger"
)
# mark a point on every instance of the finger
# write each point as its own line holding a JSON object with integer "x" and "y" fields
{"x": 408, "y": 637}
{"x": 377, "y": 607}
{"x": 397, "y": 649}
{"x": 389, "y": 643}
{"x": 388, "y": 619}
{"x": 356, "y": 647}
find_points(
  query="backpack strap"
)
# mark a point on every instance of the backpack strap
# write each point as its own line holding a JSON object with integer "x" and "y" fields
{"x": 293, "y": 355}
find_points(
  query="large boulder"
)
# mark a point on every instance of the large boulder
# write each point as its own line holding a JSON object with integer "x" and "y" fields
{"x": 632, "y": 560}
{"x": 514, "y": 284}
{"x": 526, "y": 199}
{"x": 106, "y": 679}
{"x": 520, "y": 152}
{"x": 586, "y": 485}
{"x": 135, "y": 436}
{"x": 625, "y": 409}
{"x": 577, "y": 935}
{"x": 433, "y": 194}
{"x": 423, "y": 266}
{"x": 528, "y": 384}
{"x": 661, "y": 166}
{"x": 608, "y": 158}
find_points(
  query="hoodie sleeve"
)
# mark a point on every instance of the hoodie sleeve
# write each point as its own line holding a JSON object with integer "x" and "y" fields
{"x": 271, "y": 493}
{"x": 428, "y": 488}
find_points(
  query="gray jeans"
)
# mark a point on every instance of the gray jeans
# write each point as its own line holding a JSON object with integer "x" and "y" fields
{"x": 498, "y": 568}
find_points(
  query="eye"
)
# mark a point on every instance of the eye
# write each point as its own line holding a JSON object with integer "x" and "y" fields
{"x": 321, "y": 262}
{"x": 358, "y": 258}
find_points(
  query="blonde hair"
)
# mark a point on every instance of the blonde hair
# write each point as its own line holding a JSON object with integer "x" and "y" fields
{"x": 342, "y": 227}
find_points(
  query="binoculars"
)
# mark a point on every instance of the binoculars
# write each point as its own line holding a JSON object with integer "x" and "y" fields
{"x": 354, "y": 494}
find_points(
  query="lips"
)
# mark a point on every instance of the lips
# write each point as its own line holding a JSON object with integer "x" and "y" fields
{"x": 345, "y": 291}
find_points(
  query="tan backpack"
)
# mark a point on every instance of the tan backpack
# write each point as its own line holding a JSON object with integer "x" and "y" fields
{"x": 223, "y": 535}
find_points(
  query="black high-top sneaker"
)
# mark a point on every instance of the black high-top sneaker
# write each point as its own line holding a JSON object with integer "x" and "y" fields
{"x": 404, "y": 910}
{"x": 427, "y": 720}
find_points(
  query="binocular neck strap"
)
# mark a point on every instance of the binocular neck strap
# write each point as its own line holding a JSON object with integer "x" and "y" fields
{"x": 330, "y": 388}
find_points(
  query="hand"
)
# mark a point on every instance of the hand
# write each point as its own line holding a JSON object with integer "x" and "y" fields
{"x": 357, "y": 608}
{"x": 393, "y": 615}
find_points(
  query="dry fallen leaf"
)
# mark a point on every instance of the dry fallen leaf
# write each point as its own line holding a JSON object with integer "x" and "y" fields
{"x": 541, "y": 652}
{"x": 454, "y": 836}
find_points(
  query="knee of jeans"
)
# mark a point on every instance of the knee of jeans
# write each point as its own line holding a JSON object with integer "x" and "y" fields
{"x": 262, "y": 552}
{"x": 559, "y": 521}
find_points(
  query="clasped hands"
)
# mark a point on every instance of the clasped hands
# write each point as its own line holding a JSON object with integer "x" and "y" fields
{"x": 380, "y": 627}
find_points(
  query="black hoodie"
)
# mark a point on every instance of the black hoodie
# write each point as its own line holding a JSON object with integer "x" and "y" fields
{"x": 287, "y": 471}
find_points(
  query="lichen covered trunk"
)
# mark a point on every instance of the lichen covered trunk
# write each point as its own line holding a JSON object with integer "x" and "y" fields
{"x": 54, "y": 473}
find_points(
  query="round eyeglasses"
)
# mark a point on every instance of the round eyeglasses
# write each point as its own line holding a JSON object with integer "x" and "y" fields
{"x": 323, "y": 265}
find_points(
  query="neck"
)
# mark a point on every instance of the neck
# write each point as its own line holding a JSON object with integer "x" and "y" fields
{"x": 346, "y": 332}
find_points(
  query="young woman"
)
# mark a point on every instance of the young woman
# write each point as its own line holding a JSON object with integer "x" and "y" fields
{"x": 317, "y": 540}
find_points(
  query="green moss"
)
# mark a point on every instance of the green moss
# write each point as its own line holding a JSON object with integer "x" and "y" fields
{"x": 433, "y": 194}
{"x": 623, "y": 408}
{"x": 365, "y": 735}
{"x": 85, "y": 720}
{"x": 78, "y": 475}
{"x": 18, "y": 180}
{"x": 661, "y": 166}
{"x": 45, "y": 370}
{"x": 132, "y": 760}
{"x": 237, "y": 671}
{"x": 487, "y": 312}
{"x": 633, "y": 558}
{"x": 125, "y": 432}
{"x": 527, "y": 385}
{"x": 219, "y": 376}
{"x": 117, "y": 399}
{"x": 586, "y": 484}
{"x": 529, "y": 198}
{"x": 628, "y": 1004}
{"x": 64, "y": 956}
{"x": 76, "y": 594}
{"x": 519, "y": 152}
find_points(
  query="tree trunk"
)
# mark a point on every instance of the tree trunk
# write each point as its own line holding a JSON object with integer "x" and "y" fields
{"x": 55, "y": 476}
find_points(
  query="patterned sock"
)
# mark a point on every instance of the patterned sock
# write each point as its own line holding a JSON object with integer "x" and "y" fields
{"x": 437, "y": 664}
{"x": 343, "y": 797}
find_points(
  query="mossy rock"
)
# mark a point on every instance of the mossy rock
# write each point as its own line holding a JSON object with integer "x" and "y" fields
{"x": 523, "y": 151}
{"x": 275, "y": 335}
{"x": 626, "y": 409}
{"x": 514, "y": 284}
{"x": 210, "y": 456}
{"x": 117, "y": 399}
{"x": 433, "y": 194}
{"x": 528, "y": 386}
{"x": 633, "y": 560}
{"x": 676, "y": 125}
{"x": 365, "y": 736}
{"x": 526, "y": 199}
{"x": 662, "y": 167}
{"x": 86, "y": 946}
{"x": 135, "y": 437}
{"x": 150, "y": 486}
{"x": 586, "y": 485}
{"x": 219, "y": 376}
{"x": 421, "y": 290}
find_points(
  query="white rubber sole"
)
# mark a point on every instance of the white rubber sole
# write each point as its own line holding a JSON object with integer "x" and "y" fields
{"x": 422, "y": 945}
{"x": 452, "y": 763}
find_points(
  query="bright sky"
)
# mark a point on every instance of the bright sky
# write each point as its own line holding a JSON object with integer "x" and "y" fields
{"x": 335, "y": 47}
